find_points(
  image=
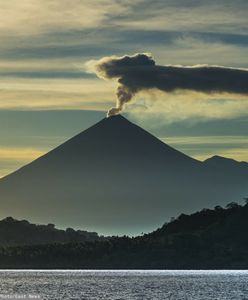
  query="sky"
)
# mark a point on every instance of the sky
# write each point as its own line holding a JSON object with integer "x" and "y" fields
{"x": 47, "y": 94}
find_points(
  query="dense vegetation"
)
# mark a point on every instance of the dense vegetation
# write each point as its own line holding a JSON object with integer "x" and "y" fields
{"x": 209, "y": 239}
{"x": 15, "y": 233}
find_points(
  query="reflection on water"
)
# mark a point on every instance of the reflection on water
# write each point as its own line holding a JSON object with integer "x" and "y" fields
{"x": 192, "y": 285}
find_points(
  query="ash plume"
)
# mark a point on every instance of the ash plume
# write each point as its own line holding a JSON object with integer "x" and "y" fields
{"x": 139, "y": 72}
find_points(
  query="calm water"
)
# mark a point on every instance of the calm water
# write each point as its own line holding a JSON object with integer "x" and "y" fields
{"x": 192, "y": 285}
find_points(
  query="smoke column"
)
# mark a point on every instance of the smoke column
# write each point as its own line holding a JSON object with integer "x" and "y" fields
{"x": 140, "y": 72}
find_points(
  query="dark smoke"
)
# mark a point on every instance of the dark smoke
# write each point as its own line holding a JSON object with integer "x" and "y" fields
{"x": 140, "y": 72}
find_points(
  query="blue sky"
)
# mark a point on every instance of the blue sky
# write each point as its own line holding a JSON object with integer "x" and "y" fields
{"x": 47, "y": 95}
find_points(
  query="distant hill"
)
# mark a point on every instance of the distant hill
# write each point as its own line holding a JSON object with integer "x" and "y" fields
{"x": 16, "y": 233}
{"x": 116, "y": 178}
{"x": 209, "y": 239}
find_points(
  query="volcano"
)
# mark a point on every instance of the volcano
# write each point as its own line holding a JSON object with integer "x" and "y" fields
{"x": 116, "y": 178}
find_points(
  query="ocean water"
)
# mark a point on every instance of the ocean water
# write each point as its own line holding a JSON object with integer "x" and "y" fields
{"x": 120, "y": 285}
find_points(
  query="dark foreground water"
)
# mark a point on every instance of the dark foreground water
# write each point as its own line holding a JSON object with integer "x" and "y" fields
{"x": 192, "y": 285}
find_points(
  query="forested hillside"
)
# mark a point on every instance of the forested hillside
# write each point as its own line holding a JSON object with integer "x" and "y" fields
{"x": 209, "y": 239}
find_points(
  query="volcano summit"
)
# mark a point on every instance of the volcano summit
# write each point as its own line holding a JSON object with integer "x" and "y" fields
{"x": 116, "y": 178}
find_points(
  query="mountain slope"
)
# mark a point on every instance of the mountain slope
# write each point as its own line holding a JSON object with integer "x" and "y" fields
{"x": 115, "y": 178}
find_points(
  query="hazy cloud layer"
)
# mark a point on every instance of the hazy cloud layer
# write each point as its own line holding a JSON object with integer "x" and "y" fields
{"x": 189, "y": 15}
{"x": 139, "y": 72}
{"x": 34, "y": 17}
{"x": 12, "y": 158}
{"x": 44, "y": 93}
{"x": 193, "y": 107}
{"x": 203, "y": 147}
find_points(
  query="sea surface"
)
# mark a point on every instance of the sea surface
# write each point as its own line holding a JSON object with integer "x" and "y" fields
{"x": 118, "y": 285}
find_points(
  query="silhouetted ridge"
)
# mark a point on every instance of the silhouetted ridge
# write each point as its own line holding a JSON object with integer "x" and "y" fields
{"x": 20, "y": 232}
{"x": 226, "y": 163}
{"x": 216, "y": 159}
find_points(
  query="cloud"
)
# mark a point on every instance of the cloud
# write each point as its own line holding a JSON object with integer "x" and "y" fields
{"x": 225, "y": 141}
{"x": 47, "y": 39}
{"x": 34, "y": 17}
{"x": 33, "y": 94}
{"x": 20, "y": 154}
{"x": 189, "y": 106}
{"x": 139, "y": 73}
